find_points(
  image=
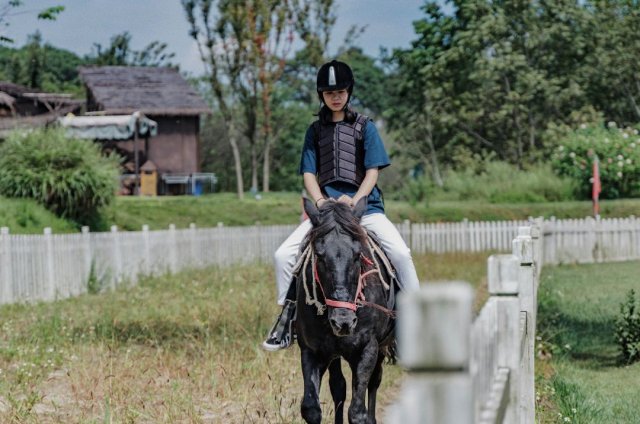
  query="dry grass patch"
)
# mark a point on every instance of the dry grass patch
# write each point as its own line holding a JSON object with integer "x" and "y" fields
{"x": 173, "y": 349}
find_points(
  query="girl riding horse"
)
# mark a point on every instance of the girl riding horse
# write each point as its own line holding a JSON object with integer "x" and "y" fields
{"x": 341, "y": 158}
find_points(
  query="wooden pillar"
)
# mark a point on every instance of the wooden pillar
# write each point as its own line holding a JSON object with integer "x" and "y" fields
{"x": 50, "y": 276}
{"x": 6, "y": 274}
{"x": 503, "y": 286}
{"x": 173, "y": 249}
{"x": 117, "y": 257}
{"x": 434, "y": 345}
{"x": 146, "y": 246}
{"x": 523, "y": 250}
{"x": 86, "y": 256}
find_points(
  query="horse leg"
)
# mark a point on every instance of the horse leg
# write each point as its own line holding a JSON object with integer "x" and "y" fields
{"x": 362, "y": 371}
{"x": 312, "y": 372}
{"x": 372, "y": 389}
{"x": 338, "y": 386}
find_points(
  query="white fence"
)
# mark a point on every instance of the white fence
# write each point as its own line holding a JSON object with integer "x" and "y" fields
{"x": 464, "y": 371}
{"x": 52, "y": 266}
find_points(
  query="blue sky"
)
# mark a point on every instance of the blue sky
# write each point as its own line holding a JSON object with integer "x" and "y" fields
{"x": 85, "y": 22}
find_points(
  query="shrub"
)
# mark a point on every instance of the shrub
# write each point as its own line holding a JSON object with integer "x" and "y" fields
{"x": 494, "y": 182}
{"x": 618, "y": 151}
{"x": 628, "y": 329}
{"x": 70, "y": 177}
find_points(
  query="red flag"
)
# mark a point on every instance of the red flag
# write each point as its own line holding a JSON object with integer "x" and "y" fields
{"x": 597, "y": 186}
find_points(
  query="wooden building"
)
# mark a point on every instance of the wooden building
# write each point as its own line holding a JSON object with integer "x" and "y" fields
{"x": 162, "y": 95}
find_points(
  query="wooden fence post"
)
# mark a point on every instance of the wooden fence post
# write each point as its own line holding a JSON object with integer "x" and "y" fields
{"x": 502, "y": 274}
{"x": 117, "y": 257}
{"x": 146, "y": 245}
{"x": 434, "y": 345}
{"x": 553, "y": 240}
{"x": 193, "y": 245}
{"x": 86, "y": 253}
{"x": 173, "y": 249}
{"x": 6, "y": 280}
{"x": 523, "y": 250}
{"x": 49, "y": 265}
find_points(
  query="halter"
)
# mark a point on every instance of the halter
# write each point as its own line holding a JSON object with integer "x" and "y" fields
{"x": 359, "y": 298}
{"x": 308, "y": 258}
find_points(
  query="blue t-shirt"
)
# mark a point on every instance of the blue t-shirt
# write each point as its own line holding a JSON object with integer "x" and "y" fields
{"x": 375, "y": 156}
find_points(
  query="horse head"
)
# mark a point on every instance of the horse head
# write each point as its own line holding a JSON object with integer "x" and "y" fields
{"x": 338, "y": 242}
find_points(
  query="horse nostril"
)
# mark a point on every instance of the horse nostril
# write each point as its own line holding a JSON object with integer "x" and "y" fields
{"x": 334, "y": 323}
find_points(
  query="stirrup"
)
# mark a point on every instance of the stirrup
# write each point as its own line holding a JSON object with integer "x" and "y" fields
{"x": 281, "y": 334}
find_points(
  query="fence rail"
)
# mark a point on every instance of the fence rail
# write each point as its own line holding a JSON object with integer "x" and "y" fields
{"x": 464, "y": 370}
{"x": 52, "y": 266}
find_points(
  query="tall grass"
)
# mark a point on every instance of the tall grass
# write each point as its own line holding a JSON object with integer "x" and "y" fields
{"x": 494, "y": 182}
{"x": 181, "y": 348}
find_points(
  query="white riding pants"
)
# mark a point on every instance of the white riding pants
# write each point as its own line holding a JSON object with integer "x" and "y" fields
{"x": 392, "y": 244}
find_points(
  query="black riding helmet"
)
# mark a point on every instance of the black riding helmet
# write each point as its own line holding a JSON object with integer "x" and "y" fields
{"x": 334, "y": 76}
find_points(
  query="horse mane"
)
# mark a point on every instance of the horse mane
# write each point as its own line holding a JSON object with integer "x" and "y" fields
{"x": 337, "y": 215}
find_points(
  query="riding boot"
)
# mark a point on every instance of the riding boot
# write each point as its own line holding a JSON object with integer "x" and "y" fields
{"x": 281, "y": 335}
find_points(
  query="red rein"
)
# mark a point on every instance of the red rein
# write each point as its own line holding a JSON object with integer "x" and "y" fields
{"x": 359, "y": 299}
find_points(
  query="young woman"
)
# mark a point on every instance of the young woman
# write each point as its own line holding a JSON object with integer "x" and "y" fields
{"x": 341, "y": 158}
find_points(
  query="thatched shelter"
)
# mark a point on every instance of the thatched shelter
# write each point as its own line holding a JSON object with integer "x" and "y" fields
{"x": 24, "y": 108}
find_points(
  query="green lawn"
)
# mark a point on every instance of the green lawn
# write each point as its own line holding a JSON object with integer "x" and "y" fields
{"x": 130, "y": 213}
{"x": 580, "y": 375}
{"x": 25, "y": 216}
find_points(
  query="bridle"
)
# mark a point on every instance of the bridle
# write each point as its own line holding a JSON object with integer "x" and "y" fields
{"x": 359, "y": 299}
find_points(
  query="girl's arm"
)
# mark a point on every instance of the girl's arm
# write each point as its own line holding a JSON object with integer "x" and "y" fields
{"x": 313, "y": 188}
{"x": 369, "y": 182}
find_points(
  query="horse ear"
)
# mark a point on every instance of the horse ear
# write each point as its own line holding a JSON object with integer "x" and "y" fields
{"x": 311, "y": 211}
{"x": 360, "y": 208}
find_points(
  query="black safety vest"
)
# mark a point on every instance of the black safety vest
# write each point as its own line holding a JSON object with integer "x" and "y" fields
{"x": 340, "y": 151}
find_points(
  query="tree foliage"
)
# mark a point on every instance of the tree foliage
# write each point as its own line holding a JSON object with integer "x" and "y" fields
{"x": 495, "y": 78}
{"x": 8, "y": 8}
{"x": 120, "y": 53}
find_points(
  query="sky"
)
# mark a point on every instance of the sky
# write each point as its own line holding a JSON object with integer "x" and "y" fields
{"x": 85, "y": 22}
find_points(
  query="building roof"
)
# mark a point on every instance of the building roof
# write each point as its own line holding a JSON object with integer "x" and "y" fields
{"x": 150, "y": 90}
{"x": 26, "y": 122}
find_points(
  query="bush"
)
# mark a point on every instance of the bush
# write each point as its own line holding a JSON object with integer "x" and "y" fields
{"x": 70, "y": 177}
{"x": 628, "y": 329}
{"x": 618, "y": 151}
{"x": 494, "y": 182}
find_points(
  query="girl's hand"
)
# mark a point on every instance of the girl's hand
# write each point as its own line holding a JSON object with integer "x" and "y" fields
{"x": 346, "y": 199}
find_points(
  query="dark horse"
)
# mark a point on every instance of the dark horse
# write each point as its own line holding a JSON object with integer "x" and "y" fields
{"x": 344, "y": 311}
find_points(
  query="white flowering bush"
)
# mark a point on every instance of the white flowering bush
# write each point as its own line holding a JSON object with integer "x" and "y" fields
{"x": 618, "y": 150}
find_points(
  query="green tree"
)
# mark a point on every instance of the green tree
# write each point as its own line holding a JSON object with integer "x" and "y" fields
{"x": 8, "y": 8}
{"x": 41, "y": 66}
{"x": 34, "y": 61}
{"x": 613, "y": 71}
{"x": 120, "y": 53}
{"x": 490, "y": 78}
{"x": 243, "y": 45}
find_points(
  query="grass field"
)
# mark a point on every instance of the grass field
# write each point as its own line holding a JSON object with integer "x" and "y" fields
{"x": 580, "y": 378}
{"x": 130, "y": 213}
{"x": 180, "y": 348}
